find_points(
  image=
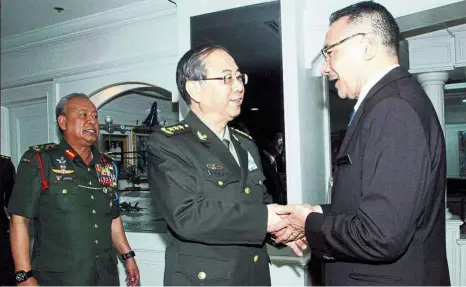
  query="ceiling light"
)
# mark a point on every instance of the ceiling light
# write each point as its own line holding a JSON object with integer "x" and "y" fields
{"x": 254, "y": 109}
{"x": 464, "y": 101}
{"x": 455, "y": 86}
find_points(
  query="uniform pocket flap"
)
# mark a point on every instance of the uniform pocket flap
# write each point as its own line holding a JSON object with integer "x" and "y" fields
{"x": 257, "y": 177}
{"x": 221, "y": 181}
{"x": 203, "y": 268}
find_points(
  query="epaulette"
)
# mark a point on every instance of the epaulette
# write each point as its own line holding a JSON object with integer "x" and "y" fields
{"x": 43, "y": 147}
{"x": 242, "y": 133}
{"x": 174, "y": 130}
{"x": 4, "y": 156}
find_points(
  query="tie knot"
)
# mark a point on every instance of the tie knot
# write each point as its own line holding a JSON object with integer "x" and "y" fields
{"x": 226, "y": 142}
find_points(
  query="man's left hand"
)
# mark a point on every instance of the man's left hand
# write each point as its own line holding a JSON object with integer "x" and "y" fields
{"x": 132, "y": 272}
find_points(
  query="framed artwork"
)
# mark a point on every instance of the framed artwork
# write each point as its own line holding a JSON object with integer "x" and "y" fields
{"x": 140, "y": 153}
{"x": 462, "y": 152}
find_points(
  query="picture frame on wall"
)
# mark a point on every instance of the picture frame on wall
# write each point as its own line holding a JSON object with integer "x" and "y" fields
{"x": 140, "y": 153}
{"x": 462, "y": 152}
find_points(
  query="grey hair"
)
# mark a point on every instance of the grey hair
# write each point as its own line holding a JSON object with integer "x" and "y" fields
{"x": 60, "y": 110}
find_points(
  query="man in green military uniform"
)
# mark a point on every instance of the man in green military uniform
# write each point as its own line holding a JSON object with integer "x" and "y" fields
{"x": 207, "y": 180}
{"x": 69, "y": 190}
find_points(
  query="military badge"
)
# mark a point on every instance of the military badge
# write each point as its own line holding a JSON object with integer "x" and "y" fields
{"x": 201, "y": 136}
{"x": 214, "y": 166}
{"x": 215, "y": 169}
{"x": 26, "y": 160}
{"x": 107, "y": 174}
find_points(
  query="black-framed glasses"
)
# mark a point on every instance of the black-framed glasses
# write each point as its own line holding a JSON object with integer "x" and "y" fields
{"x": 228, "y": 79}
{"x": 324, "y": 50}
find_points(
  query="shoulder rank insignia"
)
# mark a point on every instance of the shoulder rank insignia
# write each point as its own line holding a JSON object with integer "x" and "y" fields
{"x": 43, "y": 147}
{"x": 242, "y": 133}
{"x": 175, "y": 129}
{"x": 4, "y": 156}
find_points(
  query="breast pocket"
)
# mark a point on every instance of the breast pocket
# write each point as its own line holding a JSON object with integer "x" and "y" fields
{"x": 63, "y": 197}
{"x": 217, "y": 184}
{"x": 200, "y": 271}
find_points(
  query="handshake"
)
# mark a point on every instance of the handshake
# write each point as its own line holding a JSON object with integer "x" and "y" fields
{"x": 286, "y": 224}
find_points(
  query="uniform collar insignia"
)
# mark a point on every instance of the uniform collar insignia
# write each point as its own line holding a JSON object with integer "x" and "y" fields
{"x": 201, "y": 136}
{"x": 70, "y": 154}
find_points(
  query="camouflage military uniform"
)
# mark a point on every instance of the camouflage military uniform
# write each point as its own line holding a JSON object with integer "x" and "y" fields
{"x": 72, "y": 205}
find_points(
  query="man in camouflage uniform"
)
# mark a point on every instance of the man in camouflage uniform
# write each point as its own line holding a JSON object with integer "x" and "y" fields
{"x": 207, "y": 180}
{"x": 69, "y": 190}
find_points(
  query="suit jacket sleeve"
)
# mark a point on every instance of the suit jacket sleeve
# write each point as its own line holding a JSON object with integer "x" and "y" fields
{"x": 395, "y": 164}
{"x": 174, "y": 187}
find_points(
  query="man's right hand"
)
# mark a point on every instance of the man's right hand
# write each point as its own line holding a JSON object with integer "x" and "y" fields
{"x": 273, "y": 218}
{"x": 30, "y": 282}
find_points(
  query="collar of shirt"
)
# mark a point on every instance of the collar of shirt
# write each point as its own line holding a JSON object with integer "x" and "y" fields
{"x": 370, "y": 83}
{"x": 226, "y": 135}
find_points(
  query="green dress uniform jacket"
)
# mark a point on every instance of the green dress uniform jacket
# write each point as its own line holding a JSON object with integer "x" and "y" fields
{"x": 72, "y": 205}
{"x": 215, "y": 209}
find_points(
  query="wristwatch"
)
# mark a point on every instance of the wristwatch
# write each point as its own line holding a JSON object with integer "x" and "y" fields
{"x": 22, "y": 276}
{"x": 128, "y": 255}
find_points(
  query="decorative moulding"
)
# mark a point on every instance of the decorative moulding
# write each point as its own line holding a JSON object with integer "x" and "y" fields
{"x": 88, "y": 68}
{"x": 431, "y": 54}
{"x": 111, "y": 19}
{"x": 460, "y": 41}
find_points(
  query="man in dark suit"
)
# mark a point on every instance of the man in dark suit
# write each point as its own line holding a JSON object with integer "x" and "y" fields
{"x": 7, "y": 180}
{"x": 386, "y": 222}
{"x": 208, "y": 182}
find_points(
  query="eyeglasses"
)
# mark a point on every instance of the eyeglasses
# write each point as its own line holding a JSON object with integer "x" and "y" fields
{"x": 324, "y": 50}
{"x": 228, "y": 79}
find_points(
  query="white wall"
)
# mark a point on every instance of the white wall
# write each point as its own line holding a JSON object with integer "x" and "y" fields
{"x": 116, "y": 38}
{"x": 455, "y": 115}
{"x": 29, "y": 120}
{"x": 451, "y": 141}
{"x": 317, "y": 14}
{"x": 134, "y": 43}
{"x": 4, "y": 131}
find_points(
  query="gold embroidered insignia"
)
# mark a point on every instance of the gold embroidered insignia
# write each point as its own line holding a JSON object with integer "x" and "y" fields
{"x": 62, "y": 171}
{"x": 43, "y": 147}
{"x": 175, "y": 130}
{"x": 201, "y": 136}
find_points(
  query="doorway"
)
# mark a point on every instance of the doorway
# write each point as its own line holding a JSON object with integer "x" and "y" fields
{"x": 253, "y": 37}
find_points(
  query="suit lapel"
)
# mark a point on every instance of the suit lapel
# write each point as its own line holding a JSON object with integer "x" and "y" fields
{"x": 393, "y": 75}
{"x": 211, "y": 141}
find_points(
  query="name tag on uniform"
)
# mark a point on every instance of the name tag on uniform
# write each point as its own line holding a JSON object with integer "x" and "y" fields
{"x": 343, "y": 160}
{"x": 251, "y": 163}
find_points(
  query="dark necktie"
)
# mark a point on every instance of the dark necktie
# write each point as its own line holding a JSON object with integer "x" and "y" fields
{"x": 227, "y": 143}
